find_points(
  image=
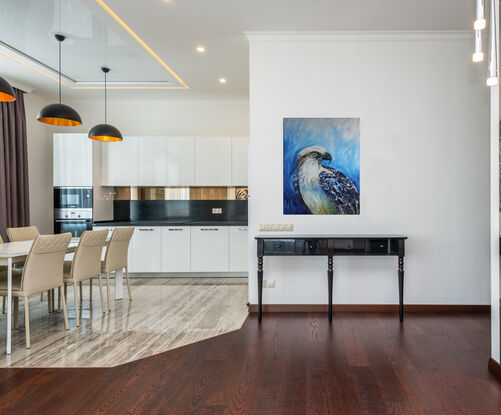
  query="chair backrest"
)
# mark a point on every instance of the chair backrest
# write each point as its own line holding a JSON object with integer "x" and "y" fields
{"x": 1, "y": 240}
{"x": 118, "y": 247}
{"x": 87, "y": 260}
{"x": 26, "y": 233}
{"x": 43, "y": 269}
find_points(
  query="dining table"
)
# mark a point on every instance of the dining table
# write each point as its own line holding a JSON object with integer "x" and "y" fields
{"x": 14, "y": 252}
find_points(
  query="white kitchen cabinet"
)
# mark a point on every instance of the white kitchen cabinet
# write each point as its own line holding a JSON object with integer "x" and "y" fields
{"x": 180, "y": 161}
{"x": 213, "y": 161}
{"x": 176, "y": 249}
{"x": 152, "y": 161}
{"x": 239, "y": 161}
{"x": 146, "y": 249}
{"x": 239, "y": 249}
{"x": 209, "y": 249}
{"x": 72, "y": 163}
{"x": 120, "y": 163}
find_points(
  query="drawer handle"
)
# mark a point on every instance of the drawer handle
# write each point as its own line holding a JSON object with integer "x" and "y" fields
{"x": 145, "y": 230}
{"x": 381, "y": 246}
{"x": 175, "y": 229}
{"x": 349, "y": 246}
{"x": 209, "y": 229}
{"x": 279, "y": 246}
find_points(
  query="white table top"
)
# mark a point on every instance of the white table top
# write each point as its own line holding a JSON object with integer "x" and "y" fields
{"x": 22, "y": 248}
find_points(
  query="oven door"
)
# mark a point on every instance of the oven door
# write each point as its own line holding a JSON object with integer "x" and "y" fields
{"x": 73, "y": 197}
{"x": 76, "y": 227}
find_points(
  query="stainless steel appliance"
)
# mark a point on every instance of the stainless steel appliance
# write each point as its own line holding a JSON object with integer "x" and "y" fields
{"x": 72, "y": 209}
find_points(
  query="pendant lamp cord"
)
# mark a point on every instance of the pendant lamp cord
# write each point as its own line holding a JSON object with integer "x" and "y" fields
{"x": 105, "y": 115}
{"x": 60, "y": 71}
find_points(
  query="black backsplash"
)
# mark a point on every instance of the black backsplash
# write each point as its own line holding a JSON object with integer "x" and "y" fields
{"x": 179, "y": 210}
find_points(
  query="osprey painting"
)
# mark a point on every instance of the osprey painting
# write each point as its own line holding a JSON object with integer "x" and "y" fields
{"x": 321, "y": 166}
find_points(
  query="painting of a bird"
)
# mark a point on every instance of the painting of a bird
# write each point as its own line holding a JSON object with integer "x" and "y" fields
{"x": 321, "y": 166}
{"x": 323, "y": 190}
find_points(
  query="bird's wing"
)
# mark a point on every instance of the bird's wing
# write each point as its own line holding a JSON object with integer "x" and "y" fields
{"x": 340, "y": 190}
{"x": 295, "y": 182}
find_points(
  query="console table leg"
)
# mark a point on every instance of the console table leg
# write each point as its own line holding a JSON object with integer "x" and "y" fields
{"x": 259, "y": 288}
{"x": 329, "y": 279}
{"x": 401, "y": 287}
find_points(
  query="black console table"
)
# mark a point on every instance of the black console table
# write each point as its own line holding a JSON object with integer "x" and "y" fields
{"x": 331, "y": 246}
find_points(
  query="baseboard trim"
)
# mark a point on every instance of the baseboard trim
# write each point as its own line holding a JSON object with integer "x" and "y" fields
{"x": 372, "y": 308}
{"x": 495, "y": 368}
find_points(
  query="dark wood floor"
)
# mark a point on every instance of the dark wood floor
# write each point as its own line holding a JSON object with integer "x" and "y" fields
{"x": 291, "y": 364}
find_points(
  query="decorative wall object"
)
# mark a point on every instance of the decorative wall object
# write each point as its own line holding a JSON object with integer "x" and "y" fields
{"x": 321, "y": 166}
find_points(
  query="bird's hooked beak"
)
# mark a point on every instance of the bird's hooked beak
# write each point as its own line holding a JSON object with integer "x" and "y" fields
{"x": 327, "y": 156}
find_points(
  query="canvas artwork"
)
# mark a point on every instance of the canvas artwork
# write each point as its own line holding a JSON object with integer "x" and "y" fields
{"x": 322, "y": 166}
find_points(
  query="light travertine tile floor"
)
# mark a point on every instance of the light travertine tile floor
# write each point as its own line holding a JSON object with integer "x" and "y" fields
{"x": 165, "y": 313}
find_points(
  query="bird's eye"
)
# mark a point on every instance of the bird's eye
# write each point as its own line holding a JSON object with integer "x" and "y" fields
{"x": 315, "y": 155}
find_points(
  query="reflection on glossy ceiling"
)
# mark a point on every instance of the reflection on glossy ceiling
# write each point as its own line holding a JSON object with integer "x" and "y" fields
{"x": 27, "y": 27}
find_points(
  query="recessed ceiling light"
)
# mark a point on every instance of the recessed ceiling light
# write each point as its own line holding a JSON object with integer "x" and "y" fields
{"x": 200, "y": 49}
{"x": 222, "y": 80}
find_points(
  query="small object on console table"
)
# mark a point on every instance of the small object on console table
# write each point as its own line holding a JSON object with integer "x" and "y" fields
{"x": 331, "y": 246}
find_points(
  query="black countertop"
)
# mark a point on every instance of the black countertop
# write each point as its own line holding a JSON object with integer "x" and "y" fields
{"x": 170, "y": 223}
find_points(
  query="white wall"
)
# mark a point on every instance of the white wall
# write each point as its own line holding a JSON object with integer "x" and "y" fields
{"x": 133, "y": 115}
{"x": 39, "y": 164}
{"x": 424, "y": 114}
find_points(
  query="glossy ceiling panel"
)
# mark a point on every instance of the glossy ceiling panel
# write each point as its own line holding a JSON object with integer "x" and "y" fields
{"x": 29, "y": 27}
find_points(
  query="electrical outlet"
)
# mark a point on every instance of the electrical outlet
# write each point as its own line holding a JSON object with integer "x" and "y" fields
{"x": 217, "y": 211}
{"x": 276, "y": 227}
{"x": 268, "y": 283}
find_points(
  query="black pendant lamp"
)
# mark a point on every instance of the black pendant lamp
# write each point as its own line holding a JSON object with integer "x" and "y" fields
{"x": 59, "y": 114}
{"x": 6, "y": 91}
{"x": 105, "y": 132}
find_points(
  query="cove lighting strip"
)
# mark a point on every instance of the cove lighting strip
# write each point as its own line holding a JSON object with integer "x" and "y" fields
{"x": 140, "y": 41}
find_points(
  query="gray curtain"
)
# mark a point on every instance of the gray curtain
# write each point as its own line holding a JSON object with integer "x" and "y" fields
{"x": 14, "y": 188}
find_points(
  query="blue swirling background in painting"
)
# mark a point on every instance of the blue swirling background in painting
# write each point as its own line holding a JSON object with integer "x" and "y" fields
{"x": 341, "y": 138}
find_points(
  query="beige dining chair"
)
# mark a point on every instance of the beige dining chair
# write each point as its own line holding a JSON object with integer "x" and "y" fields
{"x": 116, "y": 257}
{"x": 25, "y": 233}
{"x": 43, "y": 271}
{"x": 86, "y": 265}
{"x": 15, "y": 264}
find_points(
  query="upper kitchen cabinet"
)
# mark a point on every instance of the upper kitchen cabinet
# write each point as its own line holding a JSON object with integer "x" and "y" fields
{"x": 119, "y": 163}
{"x": 212, "y": 161}
{"x": 72, "y": 166}
{"x": 180, "y": 161}
{"x": 239, "y": 161}
{"x": 152, "y": 161}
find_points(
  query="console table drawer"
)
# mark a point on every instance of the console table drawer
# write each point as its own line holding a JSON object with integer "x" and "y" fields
{"x": 312, "y": 247}
{"x": 279, "y": 246}
{"x": 377, "y": 246}
{"x": 349, "y": 245}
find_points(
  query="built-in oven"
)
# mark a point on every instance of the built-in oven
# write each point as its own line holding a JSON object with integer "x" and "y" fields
{"x": 72, "y": 210}
{"x": 75, "y": 226}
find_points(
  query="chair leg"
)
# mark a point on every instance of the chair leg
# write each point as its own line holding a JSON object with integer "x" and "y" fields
{"x": 128, "y": 282}
{"x": 65, "y": 310}
{"x": 90, "y": 290}
{"x": 75, "y": 294}
{"x": 66, "y": 290}
{"x": 58, "y": 299}
{"x": 52, "y": 299}
{"x": 41, "y": 296}
{"x": 16, "y": 313}
{"x": 81, "y": 290}
{"x": 3, "y": 305}
{"x": 27, "y": 321}
{"x": 108, "y": 290}
{"x": 48, "y": 302}
{"x": 101, "y": 293}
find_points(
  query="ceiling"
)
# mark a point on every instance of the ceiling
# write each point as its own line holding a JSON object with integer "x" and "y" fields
{"x": 173, "y": 28}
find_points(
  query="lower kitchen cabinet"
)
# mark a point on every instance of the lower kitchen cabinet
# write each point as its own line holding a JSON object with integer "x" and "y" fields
{"x": 176, "y": 249}
{"x": 209, "y": 249}
{"x": 239, "y": 257}
{"x": 146, "y": 249}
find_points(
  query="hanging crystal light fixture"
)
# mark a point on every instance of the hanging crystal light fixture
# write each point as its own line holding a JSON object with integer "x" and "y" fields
{"x": 480, "y": 23}
{"x": 492, "y": 80}
{"x": 478, "y": 54}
